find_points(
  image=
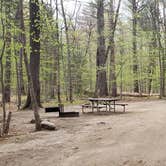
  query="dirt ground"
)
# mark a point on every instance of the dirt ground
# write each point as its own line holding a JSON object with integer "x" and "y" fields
{"x": 134, "y": 138}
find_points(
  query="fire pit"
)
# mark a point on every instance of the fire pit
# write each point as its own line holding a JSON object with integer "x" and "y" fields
{"x": 52, "y": 109}
{"x": 68, "y": 114}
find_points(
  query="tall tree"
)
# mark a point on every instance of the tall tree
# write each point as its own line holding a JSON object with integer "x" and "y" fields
{"x": 160, "y": 48}
{"x": 7, "y": 88}
{"x": 28, "y": 70}
{"x": 113, "y": 18}
{"x": 34, "y": 50}
{"x": 5, "y": 118}
{"x": 163, "y": 93}
{"x": 19, "y": 59}
{"x": 134, "y": 47}
{"x": 57, "y": 54}
{"x": 164, "y": 30}
{"x": 101, "y": 78}
{"x": 69, "y": 74}
{"x": 152, "y": 44}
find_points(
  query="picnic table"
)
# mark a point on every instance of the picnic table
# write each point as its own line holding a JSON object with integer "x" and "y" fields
{"x": 98, "y": 103}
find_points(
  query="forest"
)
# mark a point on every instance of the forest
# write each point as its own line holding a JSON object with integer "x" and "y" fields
{"x": 60, "y": 52}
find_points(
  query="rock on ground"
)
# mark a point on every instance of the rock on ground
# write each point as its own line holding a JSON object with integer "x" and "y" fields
{"x": 47, "y": 125}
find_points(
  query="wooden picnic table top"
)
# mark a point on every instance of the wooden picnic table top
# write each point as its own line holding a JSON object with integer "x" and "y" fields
{"x": 103, "y": 99}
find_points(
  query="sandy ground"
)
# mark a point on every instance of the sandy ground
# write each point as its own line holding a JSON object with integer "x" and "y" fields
{"x": 135, "y": 138}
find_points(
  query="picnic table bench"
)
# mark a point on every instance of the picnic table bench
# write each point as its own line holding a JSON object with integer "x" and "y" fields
{"x": 123, "y": 105}
{"x": 88, "y": 105}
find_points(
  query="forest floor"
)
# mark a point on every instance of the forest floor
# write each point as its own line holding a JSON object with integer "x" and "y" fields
{"x": 134, "y": 138}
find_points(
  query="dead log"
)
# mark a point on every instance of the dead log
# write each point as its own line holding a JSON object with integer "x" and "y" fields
{"x": 137, "y": 94}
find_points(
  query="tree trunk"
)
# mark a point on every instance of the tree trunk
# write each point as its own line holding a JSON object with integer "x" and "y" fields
{"x": 160, "y": 50}
{"x": 113, "y": 18}
{"x": 112, "y": 78}
{"x": 18, "y": 86}
{"x": 35, "y": 51}
{"x": 20, "y": 71}
{"x": 152, "y": 53}
{"x": 70, "y": 86}
{"x": 64, "y": 68}
{"x": 134, "y": 31}
{"x": 5, "y": 121}
{"x": 88, "y": 51}
{"x": 29, "y": 75}
{"x": 2, "y": 86}
{"x": 7, "y": 80}
{"x": 101, "y": 79}
{"x": 164, "y": 56}
{"x": 113, "y": 84}
{"x": 57, "y": 55}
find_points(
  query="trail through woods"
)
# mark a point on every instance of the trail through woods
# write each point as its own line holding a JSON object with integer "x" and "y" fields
{"x": 136, "y": 138}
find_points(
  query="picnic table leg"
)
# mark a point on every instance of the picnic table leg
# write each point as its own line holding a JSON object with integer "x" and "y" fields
{"x": 109, "y": 104}
{"x": 98, "y": 107}
{"x": 124, "y": 108}
{"x": 114, "y": 105}
{"x": 82, "y": 109}
{"x": 92, "y": 106}
{"x": 106, "y": 105}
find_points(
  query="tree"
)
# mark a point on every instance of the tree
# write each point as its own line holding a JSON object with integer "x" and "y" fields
{"x": 164, "y": 30}
{"x": 19, "y": 52}
{"x": 134, "y": 31}
{"x": 34, "y": 103}
{"x": 160, "y": 49}
{"x": 134, "y": 10}
{"x": 113, "y": 18}
{"x": 153, "y": 43}
{"x": 7, "y": 88}
{"x": 101, "y": 79}
{"x": 57, "y": 54}
{"x": 6, "y": 118}
{"x": 34, "y": 51}
{"x": 69, "y": 74}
